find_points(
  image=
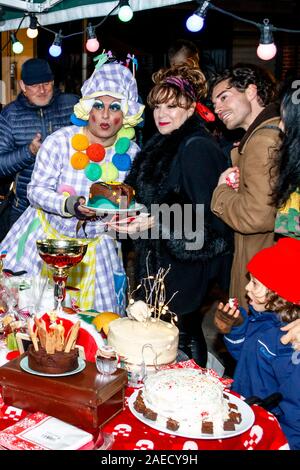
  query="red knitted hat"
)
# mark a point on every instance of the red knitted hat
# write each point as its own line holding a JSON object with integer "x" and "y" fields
{"x": 278, "y": 268}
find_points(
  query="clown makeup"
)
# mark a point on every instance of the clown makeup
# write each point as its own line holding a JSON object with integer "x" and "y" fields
{"x": 106, "y": 119}
{"x": 257, "y": 294}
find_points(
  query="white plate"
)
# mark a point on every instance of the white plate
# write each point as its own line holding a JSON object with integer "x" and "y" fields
{"x": 247, "y": 414}
{"x": 101, "y": 211}
{"x": 26, "y": 368}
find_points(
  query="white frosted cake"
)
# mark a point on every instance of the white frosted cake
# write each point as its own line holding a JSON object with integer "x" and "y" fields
{"x": 128, "y": 337}
{"x": 189, "y": 400}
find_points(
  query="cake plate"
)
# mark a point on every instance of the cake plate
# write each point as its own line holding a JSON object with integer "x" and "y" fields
{"x": 246, "y": 412}
{"x": 24, "y": 365}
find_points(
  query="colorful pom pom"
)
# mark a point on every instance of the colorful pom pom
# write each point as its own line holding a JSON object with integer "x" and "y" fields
{"x": 129, "y": 133}
{"x": 79, "y": 160}
{"x": 122, "y": 162}
{"x": 122, "y": 145}
{"x": 109, "y": 172}
{"x": 66, "y": 190}
{"x": 80, "y": 142}
{"x": 93, "y": 171}
{"x": 78, "y": 122}
{"x": 95, "y": 152}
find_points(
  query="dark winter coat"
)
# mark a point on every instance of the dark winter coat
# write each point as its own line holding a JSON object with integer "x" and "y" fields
{"x": 20, "y": 121}
{"x": 266, "y": 366}
{"x": 182, "y": 168}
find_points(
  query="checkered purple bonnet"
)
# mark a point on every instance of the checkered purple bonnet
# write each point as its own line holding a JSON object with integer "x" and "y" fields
{"x": 113, "y": 79}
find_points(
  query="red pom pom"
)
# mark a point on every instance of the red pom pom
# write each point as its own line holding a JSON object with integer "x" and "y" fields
{"x": 95, "y": 152}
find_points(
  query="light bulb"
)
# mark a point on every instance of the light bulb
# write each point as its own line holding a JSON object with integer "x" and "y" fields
{"x": 194, "y": 23}
{"x": 266, "y": 51}
{"x": 17, "y": 46}
{"x": 92, "y": 45}
{"x": 54, "y": 50}
{"x": 32, "y": 33}
{"x": 125, "y": 12}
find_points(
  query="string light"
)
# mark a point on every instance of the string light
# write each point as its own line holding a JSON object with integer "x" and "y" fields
{"x": 266, "y": 49}
{"x": 196, "y": 21}
{"x": 17, "y": 46}
{"x": 32, "y": 31}
{"x": 125, "y": 12}
{"x": 55, "y": 49}
{"x": 92, "y": 43}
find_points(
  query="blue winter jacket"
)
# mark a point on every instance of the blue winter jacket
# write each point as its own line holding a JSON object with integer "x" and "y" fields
{"x": 19, "y": 123}
{"x": 266, "y": 366}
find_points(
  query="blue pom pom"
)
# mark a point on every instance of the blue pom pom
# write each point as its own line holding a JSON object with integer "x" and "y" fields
{"x": 78, "y": 122}
{"x": 122, "y": 161}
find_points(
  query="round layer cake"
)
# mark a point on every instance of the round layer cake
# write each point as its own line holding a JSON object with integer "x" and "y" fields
{"x": 128, "y": 338}
{"x": 112, "y": 195}
{"x": 57, "y": 363}
{"x": 187, "y": 397}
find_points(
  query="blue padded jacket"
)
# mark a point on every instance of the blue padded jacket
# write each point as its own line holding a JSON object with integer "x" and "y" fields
{"x": 19, "y": 123}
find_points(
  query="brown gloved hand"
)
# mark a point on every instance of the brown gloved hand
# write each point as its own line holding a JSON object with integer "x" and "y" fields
{"x": 226, "y": 318}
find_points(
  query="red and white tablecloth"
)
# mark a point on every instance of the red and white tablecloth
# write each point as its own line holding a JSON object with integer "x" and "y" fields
{"x": 131, "y": 434}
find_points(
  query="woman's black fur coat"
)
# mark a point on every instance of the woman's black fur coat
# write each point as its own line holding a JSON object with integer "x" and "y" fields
{"x": 182, "y": 168}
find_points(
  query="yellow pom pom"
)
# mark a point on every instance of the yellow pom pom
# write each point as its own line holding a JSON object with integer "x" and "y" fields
{"x": 80, "y": 142}
{"x": 129, "y": 133}
{"x": 103, "y": 320}
{"x": 109, "y": 172}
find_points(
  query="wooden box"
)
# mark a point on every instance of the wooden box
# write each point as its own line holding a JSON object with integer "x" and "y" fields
{"x": 87, "y": 399}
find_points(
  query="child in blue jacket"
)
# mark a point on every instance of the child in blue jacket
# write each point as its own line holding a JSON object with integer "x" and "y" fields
{"x": 264, "y": 364}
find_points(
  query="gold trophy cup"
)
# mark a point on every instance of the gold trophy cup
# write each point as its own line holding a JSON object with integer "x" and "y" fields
{"x": 61, "y": 255}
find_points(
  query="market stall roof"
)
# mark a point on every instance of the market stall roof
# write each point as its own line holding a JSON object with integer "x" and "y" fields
{"x": 60, "y": 11}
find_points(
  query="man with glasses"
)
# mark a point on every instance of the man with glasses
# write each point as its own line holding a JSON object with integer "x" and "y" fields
{"x": 38, "y": 111}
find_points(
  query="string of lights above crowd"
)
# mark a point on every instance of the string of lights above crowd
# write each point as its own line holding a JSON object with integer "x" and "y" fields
{"x": 125, "y": 14}
{"x": 266, "y": 49}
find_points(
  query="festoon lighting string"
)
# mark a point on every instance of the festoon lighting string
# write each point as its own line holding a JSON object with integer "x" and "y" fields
{"x": 125, "y": 14}
{"x": 266, "y": 49}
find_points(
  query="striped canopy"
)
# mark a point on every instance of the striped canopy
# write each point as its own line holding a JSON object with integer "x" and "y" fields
{"x": 59, "y": 11}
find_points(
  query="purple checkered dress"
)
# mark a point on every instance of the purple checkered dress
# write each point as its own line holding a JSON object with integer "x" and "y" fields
{"x": 52, "y": 169}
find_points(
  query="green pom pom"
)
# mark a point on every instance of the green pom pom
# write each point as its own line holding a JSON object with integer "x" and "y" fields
{"x": 122, "y": 145}
{"x": 93, "y": 171}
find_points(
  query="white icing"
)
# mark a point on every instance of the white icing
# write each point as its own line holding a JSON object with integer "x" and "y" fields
{"x": 128, "y": 337}
{"x": 138, "y": 311}
{"x": 187, "y": 396}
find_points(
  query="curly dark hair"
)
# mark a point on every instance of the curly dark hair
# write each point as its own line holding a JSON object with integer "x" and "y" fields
{"x": 162, "y": 91}
{"x": 241, "y": 75}
{"x": 286, "y": 311}
{"x": 287, "y": 163}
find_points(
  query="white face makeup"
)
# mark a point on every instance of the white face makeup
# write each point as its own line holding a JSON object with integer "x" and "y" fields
{"x": 106, "y": 119}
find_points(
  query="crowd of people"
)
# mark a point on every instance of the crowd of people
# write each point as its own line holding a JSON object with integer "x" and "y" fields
{"x": 245, "y": 213}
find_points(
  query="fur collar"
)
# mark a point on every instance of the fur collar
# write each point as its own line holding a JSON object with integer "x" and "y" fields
{"x": 152, "y": 165}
